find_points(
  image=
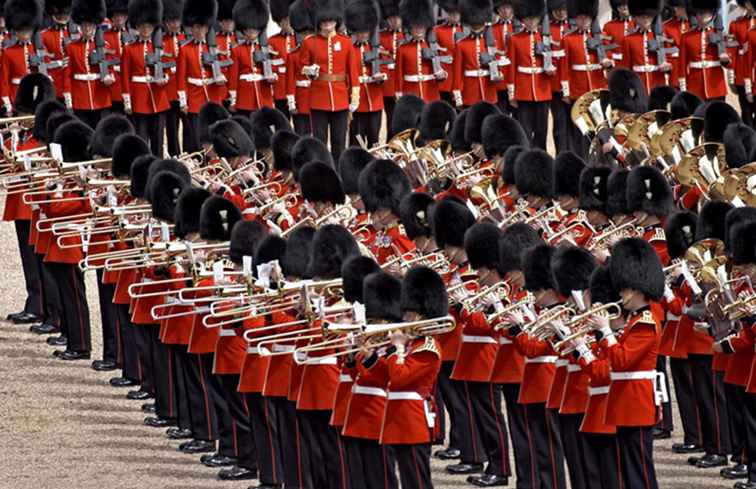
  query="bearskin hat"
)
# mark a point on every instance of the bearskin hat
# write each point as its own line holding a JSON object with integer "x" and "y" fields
{"x": 743, "y": 243}
{"x": 448, "y": 6}
{"x": 528, "y": 8}
{"x": 571, "y": 269}
{"x": 616, "y": 192}
{"x": 251, "y": 14}
{"x": 145, "y": 12}
{"x": 648, "y": 190}
{"x": 424, "y": 292}
{"x": 536, "y": 267}
{"x": 217, "y": 218}
{"x": 703, "y": 5}
{"x": 122, "y": 6}
{"x": 127, "y": 148}
{"x": 298, "y": 249}
{"x": 92, "y": 11}
{"x": 717, "y": 117}
{"x": 406, "y": 114}
{"x": 475, "y": 119}
{"x": 279, "y": 10}
{"x": 635, "y": 265}
{"x": 74, "y": 138}
{"x": 42, "y": 114}
{"x": 680, "y": 230}
{"x": 319, "y": 182}
{"x": 711, "y": 220}
{"x": 515, "y": 239}
{"x": 209, "y": 114}
{"x": 23, "y": 15}
{"x": 482, "y": 245}
{"x": 107, "y": 131}
{"x": 450, "y": 219}
{"x": 389, "y": 8}
{"x": 500, "y": 132}
{"x": 436, "y": 120}
{"x": 139, "y": 174}
{"x": 361, "y": 16}
{"x": 173, "y": 10}
{"x": 684, "y": 104}
{"x": 382, "y": 184}
{"x": 229, "y": 139}
{"x": 555, "y": 4}
{"x": 414, "y": 212}
{"x": 353, "y": 273}
{"x": 245, "y": 236}
{"x": 173, "y": 166}
{"x": 740, "y": 145}
{"x": 270, "y": 248}
{"x": 202, "y": 12}
{"x": 676, "y": 3}
{"x": 509, "y": 163}
{"x": 331, "y": 247}
{"x": 34, "y": 89}
{"x": 734, "y": 217}
{"x": 324, "y": 10}
{"x": 56, "y": 120}
{"x": 300, "y": 16}
{"x": 567, "y": 169}
{"x": 534, "y": 172}
{"x": 282, "y": 144}
{"x": 474, "y": 12}
{"x": 164, "y": 190}
{"x": 581, "y": 7}
{"x": 266, "y": 122}
{"x": 351, "y": 163}
{"x": 615, "y": 4}
{"x": 645, "y": 7}
{"x": 593, "y": 188}
{"x": 226, "y": 9}
{"x": 602, "y": 288}
{"x": 308, "y": 149}
{"x": 187, "y": 212}
{"x": 627, "y": 92}
{"x": 417, "y": 12}
{"x": 661, "y": 97}
{"x": 382, "y": 294}
{"x": 55, "y": 7}
{"x": 457, "y": 133}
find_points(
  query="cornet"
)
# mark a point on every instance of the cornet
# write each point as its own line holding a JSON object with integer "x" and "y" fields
{"x": 579, "y": 325}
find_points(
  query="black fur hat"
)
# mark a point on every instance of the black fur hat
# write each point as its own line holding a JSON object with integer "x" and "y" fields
{"x": 164, "y": 190}
{"x": 648, "y": 190}
{"x": 684, "y": 104}
{"x": 217, "y": 218}
{"x": 382, "y": 185}
{"x": 482, "y": 245}
{"x": 173, "y": 10}
{"x": 680, "y": 230}
{"x": 645, "y": 7}
{"x": 145, "y": 12}
{"x": 229, "y": 139}
{"x": 593, "y": 188}
{"x": 627, "y": 92}
{"x": 121, "y": 6}
{"x": 536, "y": 267}
{"x": 92, "y": 11}
{"x": 327, "y": 10}
{"x": 252, "y": 14}
{"x": 226, "y": 10}
{"x": 615, "y": 4}
{"x": 319, "y": 182}
{"x": 661, "y": 97}
{"x": 567, "y": 169}
{"x": 703, "y": 5}
{"x": 476, "y": 11}
{"x": 42, "y": 114}
{"x": 571, "y": 268}
{"x": 279, "y": 10}
{"x": 424, "y": 292}
{"x": 457, "y": 133}
{"x": 436, "y": 120}
{"x": 389, "y": 8}
{"x": 552, "y": 5}
{"x": 174, "y": 166}
{"x": 270, "y": 248}
{"x": 300, "y": 16}
{"x": 361, "y": 16}
{"x": 417, "y": 12}
{"x": 534, "y": 172}
{"x": 139, "y": 173}
{"x": 602, "y": 288}
{"x": 414, "y": 212}
{"x": 740, "y": 145}
{"x": 308, "y": 149}
{"x": 126, "y": 148}
{"x": 202, "y": 12}
{"x": 245, "y": 236}
{"x": 635, "y": 265}
{"x": 743, "y": 243}
{"x": 500, "y": 132}
{"x": 34, "y": 89}
{"x": 187, "y": 212}
{"x": 475, "y": 118}
{"x": 209, "y": 114}
{"x": 515, "y": 239}
{"x": 266, "y": 122}
{"x": 734, "y": 217}
{"x": 616, "y": 192}
{"x": 712, "y": 219}
{"x": 509, "y": 163}
{"x": 450, "y": 219}
{"x": 351, "y": 163}
{"x": 353, "y": 273}
{"x": 383, "y": 297}
{"x": 106, "y": 132}
{"x": 448, "y": 6}
{"x": 23, "y": 14}
{"x": 581, "y": 7}
{"x": 74, "y": 138}
{"x": 528, "y": 8}
{"x": 331, "y": 247}
{"x": 298, "y": 249}
{"x": 55, "y": 7}
{"x": 56, "y": 120}
{"x": 717, "y": 117}
{"x": 282, "y": 144}
{"x": 406, "y": 114}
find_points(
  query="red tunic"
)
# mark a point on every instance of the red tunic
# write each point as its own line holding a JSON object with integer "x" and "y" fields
{"x": 390, "y": 41}
{"x": 368, "y": 401}
{"x": 278, "y": 373}
{"x": 339, "y": 71}
{"x": 147, "y": 97}
{"x": 615, "y": 32}
{"x": 558, "y": 30}
{"x": 580, "y": 69}
{"x": 82, "y": 81}
{"x": 701, "y": 72}
{"x": 115, "y": 40}
{"x": 637, "y": 58}
{"x": 202, "y": 339}
{"x": 598, "y": 393}
{"x": 320, "y": 378}
{"x": 343, "y": 395}
{"x": 674, "y": 29}
{"x": 54, "y": 39}
{"x": 15, "y": 65}
{"x": 54, "y": 253}
{"x": 15, "y": 208}
{"x": 225, "y": 41}
{"x": 195, "y": 80}
{"x": 540, "y": 360}
{"x": 477, "y": 350}
{"x": 255, "y": 366}
{"x": 469, "y": 79}
{"x": 503, "y": 31}
{"x": 527, "y": 81}
{"x": 414, "y": 75}
{"x": 297, "y": 84}
{"x": 371, "y": 94}
{"x": 739, "y": 30}
{"x": 282, "y": 44}
{"x": 171, "y": 46}
{"x": 247, "y": 85}
{"x": 445, "y": 36}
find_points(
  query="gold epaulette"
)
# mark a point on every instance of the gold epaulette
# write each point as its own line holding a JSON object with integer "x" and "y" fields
{"x": 647, "y": 318}
{"x": 659, "y": 234}
{"x": 428, "y": 345}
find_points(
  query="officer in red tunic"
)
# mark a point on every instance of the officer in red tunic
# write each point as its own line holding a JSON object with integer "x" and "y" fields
{"x": 418, "y": 68}
{"x": 173, "y": 38}
{"x": 22, "y": 19}
{"x": 740, "y": 29}
{"x": 702, "y": 65}
{"x": 282, "y": 43}
{"x": 118, "y": 35}
{"x": 674, "y": 28}
{"x": 391, "y": 38}
{"x": 56, "y": 37}
{"x": 448, "y": 32}
{"x": 617, "y": 28}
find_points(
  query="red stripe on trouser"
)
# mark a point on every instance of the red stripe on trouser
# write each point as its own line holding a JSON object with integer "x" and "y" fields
{"x": 472, "y": 425}
{"x": 551, "y": 449}
{"x": 695, "y": 405}
{"x": 417, "y": 469}
{"x": 270, "y": 440}
{"x": 643, "y": 458}
{"x": 531, "y": 448}
{"x": 502, "y": 439}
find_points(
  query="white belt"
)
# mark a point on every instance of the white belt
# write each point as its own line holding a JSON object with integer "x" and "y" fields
{"x": 561, "y": 363}
{"x": 658, "y": 378}
{"x": 530, "y": 70}
{"x": 322, "y": 360}
{"x": 617, "y": 56}
{"x": 404, "y": 396}
{"x": 477, "y": 339}
{"x": 368, "y": 391}
{"x": 282, "y": 69}
{"x": 645, "y": 68}
{"x": 365, "y": 79}
{"x": 542, "y": 359}
{"x": 253, "y": 350}
{"x": 559, "y": 53}
{"x": 639, "y": 375}
{"x": 227, "y": 332}
{"x": 303, "y": 83}
{"x": 391, "y": 66}
{"x": 86, "y": 76}
{"x": 505, "y": 341}
{"x": 418, "y": 78}
{"x": 199, "y": 82}
{"x": 117, "y": 68}
{"x": 142, "y": 79}
{"x": 596, "y": 391}
{"x": 588, "y": 67}
{"x": 704, "y": 64}
{"x": 477, "y": 73}
{"x": 282, "y": 348}
{"x": 672, "y": 317}
{"x": 16, "y": 81}
{"x": 345, "y": 378}
{"x": 572, "y": 368}
{"x": 251, "y": 77}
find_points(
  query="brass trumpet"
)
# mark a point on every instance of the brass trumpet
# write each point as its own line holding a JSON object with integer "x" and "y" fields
{"x": 579, "y": 326}
{"x": 525, "y": 302}
{"x": 541, "y": 328}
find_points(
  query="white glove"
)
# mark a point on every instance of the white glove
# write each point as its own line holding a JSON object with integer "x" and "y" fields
{"x": 585, "y": 352}
{"x": 292, "y": 103}
{"x": 353, "y": 108}
{"x": 8, "y": 105}
{"x": 127, "y": 102}
{"x": 68, "y": 100}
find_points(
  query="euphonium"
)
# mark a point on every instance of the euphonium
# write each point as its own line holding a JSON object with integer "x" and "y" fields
{"x": 704, "y": 167}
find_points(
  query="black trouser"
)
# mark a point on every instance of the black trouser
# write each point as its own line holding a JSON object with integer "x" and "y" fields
{"x": 748, "y": 401}
{"x": 143, "y": 341}
{"x": 265, "y": 431}
{"x": 322, "y": 441}
{"x": 486, "y": 405}
{"x": 227, "y": 429}
{"x": 283, "y": 105}
{"x": 172, "y": 119}
{"x": 747, "y": 111}
{"x": 665, "y": 423}
{"x": 502, "y": 101}
{"x": 518, "y": 433}
{"x": 709, "y": 393}
{"x": 367, "y": 125}
{"x": 73, "y": 297}
{"x": 118, "y": 108}
{"x": 546, "y": 446}
{"x": 130, "y": 360}
{"x": 560, "y": 115}
{"x": 464, "y": 433}
{"x": 32, "y": 269}
{"x": 637, "y": 457}
{"x": 603, "y": 471}
{"x": 682, "y": 378}
{"x": 180, "y": 378}
{"x": 577, "y": 142}
{"x": 302, "y": 124}
{"x": 390, "y": 102}
{"x": 151, "y": 128}
{"x": 369, "y": 464}
{"x": 164, "y": 364}
{"x": 107, "y": 318}
{"x": 534, "y": 119}
{"x": 192, "y": 133}
{"x": 238, "y": 409}
{"x": 413, "y": 462}
{"x": 325, "y": 123}
{"x": 575, "y": 452}
{"x": 91, "y": 117}
{"x": 51, "y": 298}
{"x": 204, "y": 421}
{"x": 737, "y": 421}
{"x": 295, "y": 456}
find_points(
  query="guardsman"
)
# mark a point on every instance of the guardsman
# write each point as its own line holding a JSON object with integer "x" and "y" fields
{"x": 22, "y": 18}
{"x": 674, "y": 28}
{"x": 617, "y": 28}
{"x": 447, "y": 34}
{"x": 418, "y": 68}
{"x": 636, "y": 55}
{"x": 504, "y": 26}
{"x": 391, "y": 38}
{"x": 740, "y": 30}
{"x": 118, "y": 35}
{"x": 56, "y": 37}
{"x": 297, "y": 83}
{"x": 559, "y": 17}
{"x": 649, "y": 200}
{"x": 225, "y": 37}
{"x": 173, "y": 38}
{"x": 702, "y": 63}
{"x": 282, "y": 43}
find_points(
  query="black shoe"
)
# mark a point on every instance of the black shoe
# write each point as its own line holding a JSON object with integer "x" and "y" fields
{"x": 686, "y": 448}
{"x": 711, "y": 460}
{"x": 44, "y": 328}
{"x": 57, "y": 340}
{"x": 23, "y": 318}
{"x": 660, "y": 434}
{"x": 488, "y": 480}
{"x": 739, "y": 471}
{"x": 462, "y": 469}
{"x": 176, "y": 433}
{"x": 139, "y": 395}
{"x": 217, "y": 460}
{"x": 197, "y": 446}
{"x": 70, "y": 355}
{"x": 103, "y": 365}
{"x": 448, "y": 454}
{"x": 745, "y": 485}
{"x": 266, "y": 486}
{"x": 149, "y": 408}
{"x": 158, "y": 422}
{"x": 123, "y": 382}
{"x": 237, "y": 473}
